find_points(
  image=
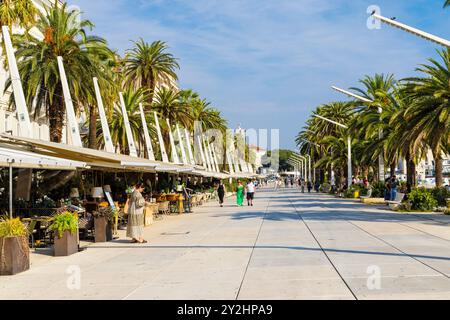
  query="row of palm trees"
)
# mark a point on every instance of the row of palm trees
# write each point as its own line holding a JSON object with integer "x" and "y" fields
{"x": 145, "y": 74}
{"x": 403, "y": 120}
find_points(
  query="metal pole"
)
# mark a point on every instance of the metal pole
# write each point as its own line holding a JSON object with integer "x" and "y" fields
{"x": 350, "y": 174}
{"x": 381, "y": 172}
{"x": 309, "y": 179}
{"x": 11, "y": 189}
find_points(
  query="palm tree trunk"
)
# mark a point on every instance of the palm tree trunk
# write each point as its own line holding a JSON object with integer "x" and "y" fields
{"x": 56, "y": 114}
{"x": 92, "y": 127}
{"x": 151, "y": 85}
{"x": 410, "y": 172}
{"x": 393, "y": 167}
{"x": 366, "y": 172}
{"x": 439, "y": 168}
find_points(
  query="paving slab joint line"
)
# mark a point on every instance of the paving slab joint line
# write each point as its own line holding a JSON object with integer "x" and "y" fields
{"x": 206, "y": 235}
{"x": 253, "y": 249}
{"x": 398, "y": 249}
{"x": 322, "y": 249}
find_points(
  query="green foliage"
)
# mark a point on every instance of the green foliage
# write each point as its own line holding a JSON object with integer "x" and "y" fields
{"x": 378, "y": 190}
{"x": 349, "y": 193}
{"x": 363, "y": 192}
{"x": 63, "y": 222}
{"x": 284, "y": 156}
{"x": 422, "y": 199}
{"x": 12, "y": 228}
{"x": 107, "y": 212}
{"x": 164, "y": 185}
{"x": 230, "y": 187}
{"x": 441, "y": 195}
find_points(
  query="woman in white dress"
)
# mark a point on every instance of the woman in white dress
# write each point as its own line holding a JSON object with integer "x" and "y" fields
{"x": 135, "y": 227}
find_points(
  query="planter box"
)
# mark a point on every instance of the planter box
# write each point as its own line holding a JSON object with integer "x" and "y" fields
{"x": 14, "y": 255}
{"x": 67, "y": 245}
{"x": 377, "y": 201}
{"x": 103, "y": 230}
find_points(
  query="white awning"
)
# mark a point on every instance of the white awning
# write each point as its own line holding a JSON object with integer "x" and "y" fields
{"x": 33, "y": 160}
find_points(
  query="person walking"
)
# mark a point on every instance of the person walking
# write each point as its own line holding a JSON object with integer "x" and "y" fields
{"x": 240, "y": 194}
{"x": 250, "y": 188}
{"x": 310, "y": 186}
{"x": 221, "y": 192}
{"x": 394, "y": 185}
{"x": 387, "y": 190}
{"x": 317, "y": 186}
{"x": 135, "y": 227}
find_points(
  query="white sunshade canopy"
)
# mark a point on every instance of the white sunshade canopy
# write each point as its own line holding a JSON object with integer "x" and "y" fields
{"x": 32, "y": 160}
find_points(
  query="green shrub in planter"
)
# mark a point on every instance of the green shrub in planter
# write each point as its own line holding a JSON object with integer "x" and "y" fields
{"x": 378, "y": 190}
{"x": 350, "y": 193}
{"x": 65, "y": 226}
{"x": 65, "y": 221}
{"x": 14, "y": 251}
{"x": 441, "y": 195}
{"x": 364, "y": 192}
{"x": 422, "y": 199}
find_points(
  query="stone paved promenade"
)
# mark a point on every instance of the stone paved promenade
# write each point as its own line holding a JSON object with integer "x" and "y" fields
{"x": 288, "y": 246}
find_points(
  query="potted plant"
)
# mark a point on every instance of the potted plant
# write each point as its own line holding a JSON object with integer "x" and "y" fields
{"x": 104, "y": 220}
{"x": 14, "y": 250}
{"x": 65, "y": 226}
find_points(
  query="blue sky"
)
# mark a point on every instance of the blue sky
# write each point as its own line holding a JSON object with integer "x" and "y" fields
{"x": 269, "y": 63}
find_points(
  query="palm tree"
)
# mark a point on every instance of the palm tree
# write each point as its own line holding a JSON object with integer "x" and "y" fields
{"x": 447, "y": 3}
{"x": 373, "y": 118}
{"x": 168, "y": 105}
{"x": 149, "y": 65}
{"x": 428, "y": 117}
{"x": 320, "y": 133}
{"x": 17, "y": 12}
{"x": 64, "y": 36}
{"x": 132, "y": 99}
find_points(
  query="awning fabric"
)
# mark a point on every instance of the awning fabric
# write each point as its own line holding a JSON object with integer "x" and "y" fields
{"x": 20, "y": 158}
{"x": 94, "y": 158}
{"x": 101, "y": 159}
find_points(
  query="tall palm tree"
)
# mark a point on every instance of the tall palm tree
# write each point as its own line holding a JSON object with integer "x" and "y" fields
{"x": 447, "y": 3}
{"x": 320, "y": 133}
{"x": 66, "y": 36}
{"x": 374, "y": 125}
{"x": 147, "y": 65}
{"x": 17, "y": 12}
{"x": 168, "y": 105}
{"x": 428, "y": 117}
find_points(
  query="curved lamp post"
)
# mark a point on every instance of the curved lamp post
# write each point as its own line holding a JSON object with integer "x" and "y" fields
{"x": 414, "y": 31}
{"x": 381, "y": 173}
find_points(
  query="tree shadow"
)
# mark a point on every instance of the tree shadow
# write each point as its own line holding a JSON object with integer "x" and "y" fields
{"x": 274, "y": 247}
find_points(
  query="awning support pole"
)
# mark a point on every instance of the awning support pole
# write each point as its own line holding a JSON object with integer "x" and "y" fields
{"x": 10, "y": 190}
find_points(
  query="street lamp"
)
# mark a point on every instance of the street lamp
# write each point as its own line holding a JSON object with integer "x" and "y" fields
{"x": 417, "y": 32}
{"x": 317, "y": 145}
{"x": 302, "y": 168}
{"x": 349, "y": 151}
{"x": 297, "y": 164}
{"x": 380, "y": 132}
{"x": 351, "y": 94}
{"x": 305, "y": 162}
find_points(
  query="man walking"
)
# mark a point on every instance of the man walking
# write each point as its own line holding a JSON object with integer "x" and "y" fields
{"x": 310, "y": 186}
{"x": 250, "y": 193}
{"x": 394, "y": 185}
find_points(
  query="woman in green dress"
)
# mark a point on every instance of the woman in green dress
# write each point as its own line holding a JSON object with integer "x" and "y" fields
{"x": 240, "y": 194}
